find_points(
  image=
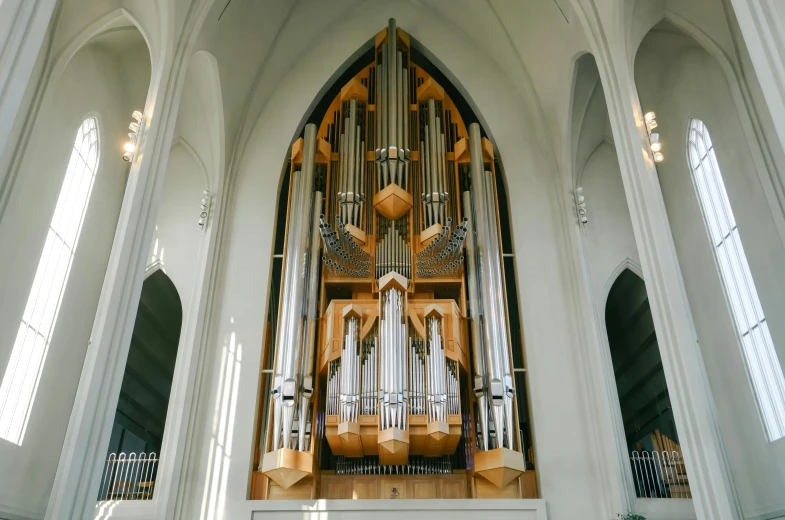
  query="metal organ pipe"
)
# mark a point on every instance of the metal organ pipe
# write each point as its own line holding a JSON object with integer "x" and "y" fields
{"x": 499, "y": 382}
{"x": 286, "y": 380}
{"x": 475, "y": 326}
{"x": 393, "y": 367}
{"x": 437, "y": 396}
{"x": 499, "y": 310}
{"x": 311, "y": 316}
{"x": 392, "y": 153}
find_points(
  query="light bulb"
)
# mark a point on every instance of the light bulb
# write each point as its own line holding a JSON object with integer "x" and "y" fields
{"x": 129, "y": 147}
{"x": 649, "y": 116}
{"x": 651, "y": 125}
{"x": 656, "y": 146}
{"x": 658, "y": 157}
{"x": 137, "y": 115}
{"x": 134, "y": 127}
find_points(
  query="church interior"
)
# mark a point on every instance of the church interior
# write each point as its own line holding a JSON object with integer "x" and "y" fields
{"x": 341, "y": 259}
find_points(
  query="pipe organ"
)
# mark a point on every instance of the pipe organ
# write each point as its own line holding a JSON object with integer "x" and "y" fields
{"x": 392, "y": 354}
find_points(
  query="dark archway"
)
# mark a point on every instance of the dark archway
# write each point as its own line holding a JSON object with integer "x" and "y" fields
{"x": 144, "y": 395}
{"x": 637, "y": 366}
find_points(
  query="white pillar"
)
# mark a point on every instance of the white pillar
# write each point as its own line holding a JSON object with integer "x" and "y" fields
{"x": 23, "y": 25}
{"x": 762, "y": 24}
{"x": 713, "y": 493}
{"x": 75, "y": 488}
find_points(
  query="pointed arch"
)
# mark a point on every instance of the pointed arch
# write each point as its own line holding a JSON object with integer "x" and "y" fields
{"x": 182, "y": 142}
{"x": 624, "y": 265}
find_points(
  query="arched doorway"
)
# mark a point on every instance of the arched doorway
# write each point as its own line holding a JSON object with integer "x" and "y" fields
{"x": 649, "y": 425}
{"x": 137, "y": 433}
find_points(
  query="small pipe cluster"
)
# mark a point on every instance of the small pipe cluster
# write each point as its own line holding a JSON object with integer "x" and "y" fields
{"x": 334, "y": 387}
{"x": 369, "y": 395}
{"x": 433, "y": 168}
{"x": 343, "y": 257}
{"x": 393, "y": 254}
{"x": 352, "y": 166}
{"x": 417, "y": 373}
{"x": 418, "y": 465}
{"x": 392, "y": 109}
{"x": 350, "y": 379}
{"x": 443, "y": 256}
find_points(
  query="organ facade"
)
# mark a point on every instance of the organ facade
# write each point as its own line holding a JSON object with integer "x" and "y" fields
{"x": 389, "y": 367}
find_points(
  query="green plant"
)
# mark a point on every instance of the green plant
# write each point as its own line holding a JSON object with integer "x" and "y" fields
{"x": 630, "y": 516}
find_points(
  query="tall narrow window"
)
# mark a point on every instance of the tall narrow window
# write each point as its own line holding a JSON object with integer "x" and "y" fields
{"x": 763, "y": 366}
{"x": 23, "y": 372}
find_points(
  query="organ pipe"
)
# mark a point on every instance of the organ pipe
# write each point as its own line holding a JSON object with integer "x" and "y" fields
{"x": 393, "y": 348}
{"x": 312, "y": 317}
{"x": 475, "y": 326}
{"x": 352, "y": 166}
{"x": 392, "y": 152}
{"x": 286, "y": 385}
{"x": 498, "y": 377}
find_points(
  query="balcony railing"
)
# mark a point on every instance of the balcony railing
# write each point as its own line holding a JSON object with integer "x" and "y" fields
{"x": 129, "y": 477}
{"x": 660, "y": 474}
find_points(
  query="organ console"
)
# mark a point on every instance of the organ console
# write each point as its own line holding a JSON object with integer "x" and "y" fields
{"x": 391, "y": 354}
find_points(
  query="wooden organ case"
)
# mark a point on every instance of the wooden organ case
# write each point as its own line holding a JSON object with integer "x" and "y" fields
{"x": 391, "y": 369}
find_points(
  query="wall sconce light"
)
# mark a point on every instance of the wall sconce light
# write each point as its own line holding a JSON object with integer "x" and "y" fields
{"x": 654, "y": 138}
{"x": 204, "y": 209}
{"x": 580, "y": 205}
{"x": 129, "y": 148}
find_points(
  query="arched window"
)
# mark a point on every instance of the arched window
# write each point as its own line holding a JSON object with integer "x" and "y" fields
{"x": 763, "y": 366}
{"x": 23, "y": 372}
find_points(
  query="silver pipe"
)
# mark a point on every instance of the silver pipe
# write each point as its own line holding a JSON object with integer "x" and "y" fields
{"x": 286, "y": 312}
{"x": 407, "y": 115}
{"x": 443, "y": 175}
{"x": 312, "y": 315}
{"x": 344, "y": 168}
{"x": 499, "y": 310}
{"x": 392, "y": 115}
{"x": 493, "y": 364}
{"x": 434, "y": 152}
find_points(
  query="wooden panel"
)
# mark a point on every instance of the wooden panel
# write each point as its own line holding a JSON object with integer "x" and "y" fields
{"x": 298, "y": 491}
{"x": 257, "y": 485}
{"x": 392, "y": 488}
{"x": 422, "y": 488}
{"x": 485, "y": 489}
{"x": 453, "y": 489}
{"x": 336, "y": 488}
{"x": 366, "y": 488}
{"x": 529, "y": 484}
{"x": 406, "y": 486}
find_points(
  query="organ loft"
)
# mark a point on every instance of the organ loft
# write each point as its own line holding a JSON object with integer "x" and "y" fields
{"x": 388, "y": 369}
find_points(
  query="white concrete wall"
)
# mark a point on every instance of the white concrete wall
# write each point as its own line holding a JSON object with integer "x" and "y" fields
{"x": 679, "y": 81}
{"x": 178, "y": 234}
{"x": 609, "y": 237}
{"x": 92, "y": 84}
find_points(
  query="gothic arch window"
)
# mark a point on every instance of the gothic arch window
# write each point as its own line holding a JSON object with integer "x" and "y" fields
{"x": 26, "y": 363}
{"x": 763, "y": 367}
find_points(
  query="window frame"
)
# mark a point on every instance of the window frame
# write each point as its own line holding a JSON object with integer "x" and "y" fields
{"x": 22, "y": 375}
{"x": 763, "y": 368}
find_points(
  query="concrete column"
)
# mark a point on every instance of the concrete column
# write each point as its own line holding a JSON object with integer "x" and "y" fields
{"x": 762, "y": 24}
{"x": 81, "y": 463}
{"x": 713, "y": 493}
{"x": 23, "y": 26}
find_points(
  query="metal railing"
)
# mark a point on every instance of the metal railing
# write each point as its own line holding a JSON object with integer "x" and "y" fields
{"x": 660, "y": 474}
{"x": 129, "y": 477}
